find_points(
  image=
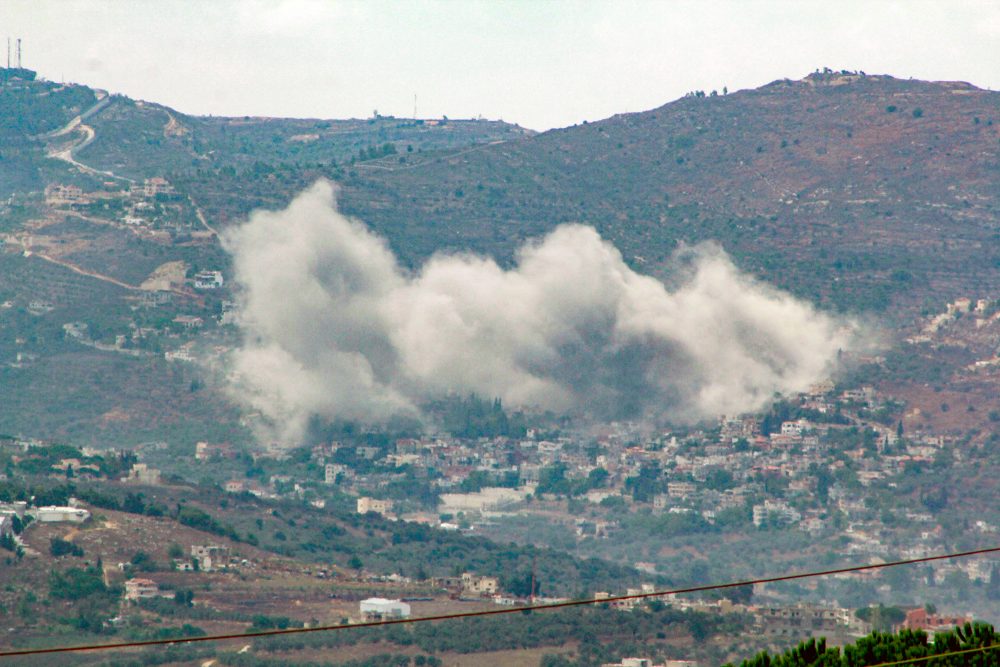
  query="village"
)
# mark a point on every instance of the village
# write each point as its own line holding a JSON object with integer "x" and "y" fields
{"x": 811, "y": 465}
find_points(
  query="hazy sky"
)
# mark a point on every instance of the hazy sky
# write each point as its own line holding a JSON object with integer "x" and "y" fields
{"x": 540, "y": 64}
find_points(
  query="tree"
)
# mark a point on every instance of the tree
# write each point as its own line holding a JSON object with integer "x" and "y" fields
{"x": 741, "y": 594}
{"x": 522, "y": 585}
{"x": 646, "y": 484}
{"x": 597, "y": 478}
{"x": 76, "y": 583}
{"x": 60, "y": 547}
{"x": 143, "y": 561}
{"x": 882, "y": 618}
{"x": 880, "y": 647}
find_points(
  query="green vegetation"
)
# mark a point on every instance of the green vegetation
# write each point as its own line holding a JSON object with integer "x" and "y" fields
{"x": 381, "y": 660}
{"x": 603, "y": 633}
{"x": 473, "y": 417}
{"x": 60, "y": 547}
{"x": 886, "y": 647}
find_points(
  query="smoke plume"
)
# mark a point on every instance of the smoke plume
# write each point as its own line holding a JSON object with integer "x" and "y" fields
{"x": 333, "y": 326}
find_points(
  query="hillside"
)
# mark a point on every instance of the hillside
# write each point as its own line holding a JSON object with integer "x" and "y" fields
{"x": 854, "y": 191}
{"x": 285, "y": 564}
{"x": 99, "y": 259}
{"x": 866, "y": 194}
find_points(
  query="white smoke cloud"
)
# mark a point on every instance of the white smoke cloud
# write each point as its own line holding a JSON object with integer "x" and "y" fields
{"x": 334, "y": 327}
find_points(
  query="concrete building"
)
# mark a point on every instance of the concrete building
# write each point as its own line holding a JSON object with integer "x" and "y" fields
{"x": 152, "y": 187}
{"x": 380, "y": 609}
{"x": 366, "y": 505}
{"x": 776, "y": 510}
{"x": 65, "y": 195}
{"x": 632, "y": 662}
{"x": 474, "y": 585}
{"x": 208, "y": 280}
{"x": 681, "y": 489}
{"x": 204, "y": 451}
{"x": 484, "y": 500}
{"x": 143, "y": 474}
{"x": 332, "y": 470}
{"x": 800, "y": 621}
{"x": 18, "y": 507}
{"x": 138, "y": 589}
{"x": 921, "y": 619}
{"x": 210, "y": 556}
{"x": 53, "y": 514}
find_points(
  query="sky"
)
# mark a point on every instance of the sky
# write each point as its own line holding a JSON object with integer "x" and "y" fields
{"x": 538, "y": 64}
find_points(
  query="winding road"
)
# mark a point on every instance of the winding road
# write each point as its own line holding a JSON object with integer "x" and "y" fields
{"x": 65, "y": 152}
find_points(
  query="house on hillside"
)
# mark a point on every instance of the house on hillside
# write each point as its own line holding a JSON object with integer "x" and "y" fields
{"x": 333, "y": 470}
{"x": 921, "y": 619}
{"x": 140, "y": 589}
{"x": 152, "y": 187}
{"x": 802, "y": 620}
{"x": 210, "y": 556}
{"x": 234, "y": 486}
{"x": 65, "y": 195}
{"x": 366, "y": 505}
{"x": 476, "y": 585}
{"x": 204, "y": 451}
{"x": 143, "y": 474}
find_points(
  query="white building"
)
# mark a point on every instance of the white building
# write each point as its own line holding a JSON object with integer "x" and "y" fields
{"x": 208, "y": 280}
{"x": 488, "y": 499}
{"x": 380, "y": 609}
{"x": 794, "y": 428}
{"x": 18, "y": 507}
{"x": 778, "y": 509}
{"x": 53, "y": 514}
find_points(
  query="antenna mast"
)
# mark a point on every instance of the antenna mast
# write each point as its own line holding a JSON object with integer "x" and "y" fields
{"x": 8, "y": 53}
{"x": 414, "y": 106}
{"x": 19, "y": 53}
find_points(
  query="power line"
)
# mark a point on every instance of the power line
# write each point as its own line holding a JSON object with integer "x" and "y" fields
{"x": 507, "y": 610}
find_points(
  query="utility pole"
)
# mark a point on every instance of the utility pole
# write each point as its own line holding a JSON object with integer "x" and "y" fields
{"x": 533, "y": 561}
